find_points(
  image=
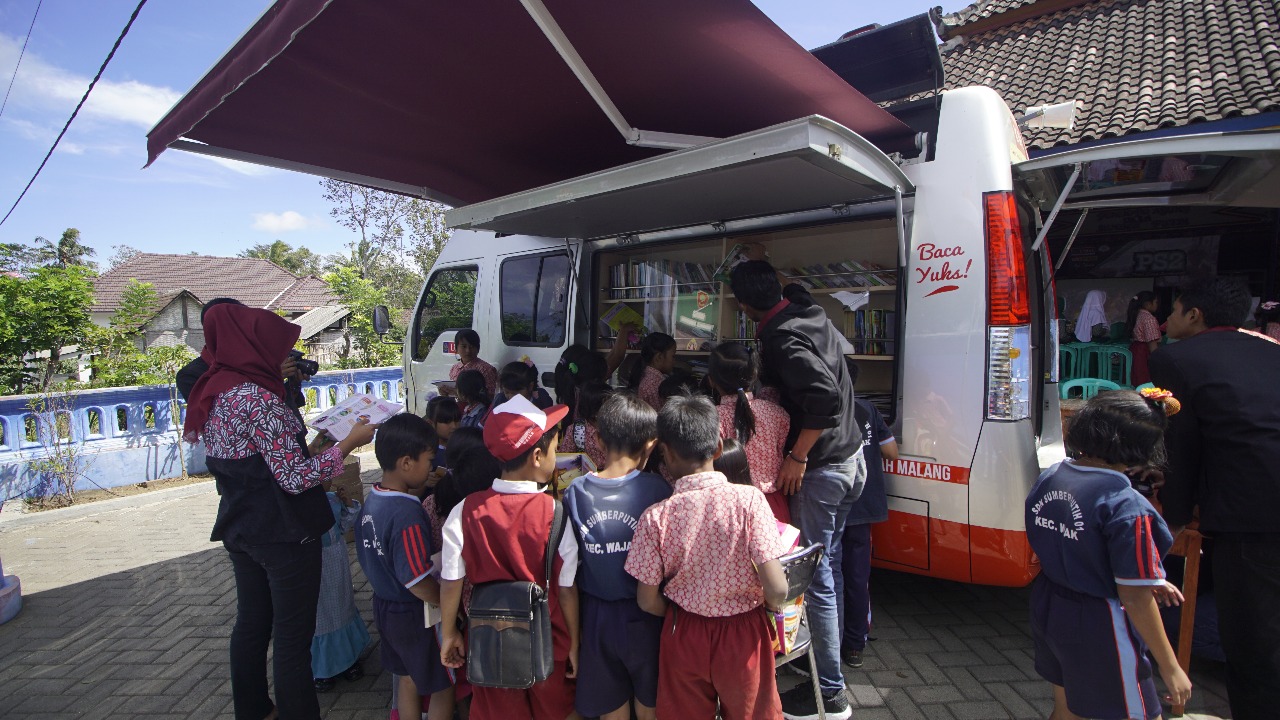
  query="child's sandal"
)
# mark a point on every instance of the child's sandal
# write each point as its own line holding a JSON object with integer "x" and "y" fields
{"x": 353, "y": 673}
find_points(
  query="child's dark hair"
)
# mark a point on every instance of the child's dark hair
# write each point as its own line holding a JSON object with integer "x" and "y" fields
{"x": 474, "y": 469}
{"x": 591, "y": 397}
{"x": 1223, "y": 301}
{"x": 1135, "y": 304}
{"x": 403, "y": 435}
{"x": 462, "y": 440}
{"x": 472, "y": 388}
{"x": 1119, "y": 427}
{"x": 755, "y": 283}
{"x": 468, "y": 336}
{"x": 515, "y": 378}
{"x": 653, "y": 345}
{"x": 626, "y": 423}
{"x": 733, "y": 369}
{"x": 689, "y": 426}
{"x": 577, "y": 365}
{"x": 679, "y": 382}
{"x": 733, "y": 462}
{"x": 519, "y": 461}
{"x": 443, "y": 409}
{"x": 217, "y": 301}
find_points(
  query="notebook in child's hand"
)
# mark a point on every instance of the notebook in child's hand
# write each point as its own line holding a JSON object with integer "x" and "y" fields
{"x": 338, "y": 420}
{"x": 622, "y": 314}
{"x": 571, "y": 466}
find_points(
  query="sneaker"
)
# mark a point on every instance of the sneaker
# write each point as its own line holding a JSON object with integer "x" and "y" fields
{"x": 798, "y": 704}
{"x": 852, "y": 658}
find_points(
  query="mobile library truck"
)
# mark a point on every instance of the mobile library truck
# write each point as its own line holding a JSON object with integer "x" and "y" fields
{"x": 920, "y": 231}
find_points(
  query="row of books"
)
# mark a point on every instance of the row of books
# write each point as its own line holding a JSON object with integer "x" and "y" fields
{"x": 641, "y": 279}
{"x": 846, "y": 274}
{"x": 871, "y": 331}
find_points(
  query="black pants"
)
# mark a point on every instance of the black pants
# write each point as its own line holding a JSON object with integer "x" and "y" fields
{"x": 277, "y": 589}
{"x": 1246, "y": 579}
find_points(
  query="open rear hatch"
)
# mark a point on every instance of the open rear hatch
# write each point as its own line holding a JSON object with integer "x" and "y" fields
{"x": 803, "y": 165}
{"x": 1240, "y": 169}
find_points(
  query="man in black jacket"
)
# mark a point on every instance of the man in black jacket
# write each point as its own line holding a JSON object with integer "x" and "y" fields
{"x": 1224, "y": 455}
{"x": 823, "y": 471}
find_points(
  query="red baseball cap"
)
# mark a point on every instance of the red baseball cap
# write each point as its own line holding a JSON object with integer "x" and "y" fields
{"x": 517, "y": 424}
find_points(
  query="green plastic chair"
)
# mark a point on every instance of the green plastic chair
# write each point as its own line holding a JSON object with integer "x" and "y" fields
{"x": 1068, "y": 361}
{"x": 1118, "y": 333}
{"x": 1117, "y": 365}
{"x": 1088, "y": 387}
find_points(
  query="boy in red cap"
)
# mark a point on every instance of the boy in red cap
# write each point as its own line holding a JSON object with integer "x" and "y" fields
{"x": 501, "y": 534}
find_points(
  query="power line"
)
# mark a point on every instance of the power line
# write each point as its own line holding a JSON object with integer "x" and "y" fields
{"x": 20, "y": 54}
{"x": 75, "y": 112}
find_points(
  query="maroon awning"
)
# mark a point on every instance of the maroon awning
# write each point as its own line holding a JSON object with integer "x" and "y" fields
{"x": 465, "y": 101}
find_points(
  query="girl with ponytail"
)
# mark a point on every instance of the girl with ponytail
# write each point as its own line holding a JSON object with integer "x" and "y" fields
{"x": 1144, "y": 333}
{"x": 657, "y": 356}
{"x": 759, "y": 425}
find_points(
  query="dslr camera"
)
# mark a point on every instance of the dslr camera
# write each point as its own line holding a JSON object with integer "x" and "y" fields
{"x": 305, "y": 366}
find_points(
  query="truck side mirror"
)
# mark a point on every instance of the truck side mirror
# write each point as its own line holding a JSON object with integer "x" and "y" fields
{"x": 381, "y": 320}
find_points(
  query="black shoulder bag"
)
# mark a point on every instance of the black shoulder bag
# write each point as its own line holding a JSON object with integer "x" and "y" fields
{"x": 509, "y": 626}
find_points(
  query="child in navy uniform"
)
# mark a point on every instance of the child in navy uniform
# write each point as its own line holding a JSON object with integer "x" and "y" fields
{"x": 394, "y": 547}
{"x": 619, "y": 653}
{"x": 1093, "y": 607}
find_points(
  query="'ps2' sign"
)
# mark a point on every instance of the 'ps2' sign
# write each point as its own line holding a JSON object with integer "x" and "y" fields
{"x": 1160, "y": 262}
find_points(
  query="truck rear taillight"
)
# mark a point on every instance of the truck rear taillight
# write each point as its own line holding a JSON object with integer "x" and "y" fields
{"x": 1008, "y": 312}
{"x": 1007, "y": 301}
{"x": 1009, "y": 372}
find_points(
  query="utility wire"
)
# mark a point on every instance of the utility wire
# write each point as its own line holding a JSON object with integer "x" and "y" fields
{"x": 20, "y": 54}
{"x": 75, "y": 112}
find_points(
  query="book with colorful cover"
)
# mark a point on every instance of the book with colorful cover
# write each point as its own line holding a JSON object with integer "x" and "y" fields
{"x": 339, "y": 420}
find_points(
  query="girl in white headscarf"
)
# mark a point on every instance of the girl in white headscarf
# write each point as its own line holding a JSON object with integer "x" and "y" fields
{"x": 1093, "y": 312}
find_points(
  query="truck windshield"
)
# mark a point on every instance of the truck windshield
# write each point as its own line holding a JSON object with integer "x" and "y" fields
{"x": 448, "y": 303}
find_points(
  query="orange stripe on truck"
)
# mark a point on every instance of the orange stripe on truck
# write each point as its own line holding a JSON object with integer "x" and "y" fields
{"x": 953, "y": 551}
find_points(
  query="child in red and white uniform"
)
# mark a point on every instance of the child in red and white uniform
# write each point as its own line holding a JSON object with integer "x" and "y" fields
{"x": 467, "y": 345}
{"x": 760, "y": 425}
{"x": 581, "y": 435}
{"x": 657, "y": 357}
{"x": 500, "y": 534}
{"x": 716, "y": 548}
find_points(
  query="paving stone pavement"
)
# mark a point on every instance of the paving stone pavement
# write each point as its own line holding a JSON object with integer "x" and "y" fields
{"x": 128, "y": 608}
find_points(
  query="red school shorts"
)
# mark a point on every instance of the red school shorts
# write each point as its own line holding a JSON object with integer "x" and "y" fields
{"x": 703, "y": 659}
{"x": 551, "y": 699}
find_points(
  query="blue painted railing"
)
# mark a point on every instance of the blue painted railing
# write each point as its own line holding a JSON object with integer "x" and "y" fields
{"x": 129, "y": 435}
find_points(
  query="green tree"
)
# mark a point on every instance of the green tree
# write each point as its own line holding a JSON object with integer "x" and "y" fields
{"x": 363, "y": 347}
{"x": 398, "y": 238}
{"x": 41, "y": 314}
{"x": 67, "y": 252}
{"x": 117, "y": 361}
{"x": 122, "y": 254}
{"x": 299, "y": 260}
{"x": 18, "y": 258}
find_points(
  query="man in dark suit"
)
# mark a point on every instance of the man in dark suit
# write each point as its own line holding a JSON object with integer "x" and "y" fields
{"x": 1224, "y": 456}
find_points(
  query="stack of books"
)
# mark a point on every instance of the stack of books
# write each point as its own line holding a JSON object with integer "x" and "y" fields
{"x": 643, "y": 279}
{"x": 871, "y": 331}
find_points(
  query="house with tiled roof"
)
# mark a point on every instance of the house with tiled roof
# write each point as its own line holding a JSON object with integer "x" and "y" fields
{"x": 183, "y": 283}
{"x": 1139, "y": 69}
{"x": 1136, "y": 66}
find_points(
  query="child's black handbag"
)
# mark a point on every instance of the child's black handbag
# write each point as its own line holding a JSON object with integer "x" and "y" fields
{"x": 509, "y": 627}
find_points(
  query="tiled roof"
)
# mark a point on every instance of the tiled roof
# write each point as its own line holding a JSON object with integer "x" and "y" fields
{"x": 306, "y": 294}
{"x": 254, "y": 282}
{"x": 1137, "y": 65}
{"x": 315, "y": 321}
{"x": 985, "y": 9}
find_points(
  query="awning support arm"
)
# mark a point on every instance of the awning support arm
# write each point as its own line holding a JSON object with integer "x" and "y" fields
{"x": 1053, "y": 214}
{"x": 1070, "y": 241}
{"x": 641, "y": 138}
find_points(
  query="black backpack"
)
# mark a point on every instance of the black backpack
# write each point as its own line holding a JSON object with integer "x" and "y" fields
{"x": 509, "y": 626}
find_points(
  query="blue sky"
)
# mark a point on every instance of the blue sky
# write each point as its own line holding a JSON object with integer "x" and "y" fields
{"x": 95, "y": 180}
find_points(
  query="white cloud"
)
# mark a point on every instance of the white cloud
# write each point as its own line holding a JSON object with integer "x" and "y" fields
{"x": 43, "y": 136}
{"x": 42, "y": 85}
{"x": 287, "y": 221}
